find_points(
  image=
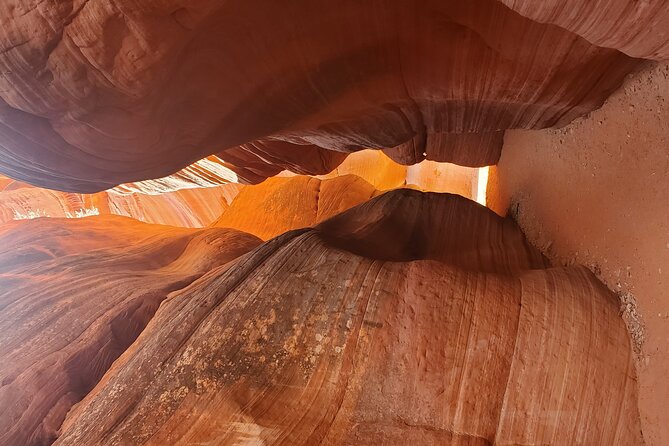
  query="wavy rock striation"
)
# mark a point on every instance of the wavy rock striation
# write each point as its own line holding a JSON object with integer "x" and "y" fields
{"x": 190, "y": 208}
{"x": 93, "y": 94}
{"x": 637, "y": 28}
{"x": 75, "y": 294}
{"x": 193, "y": 197}
{"x": 346, "y": 334}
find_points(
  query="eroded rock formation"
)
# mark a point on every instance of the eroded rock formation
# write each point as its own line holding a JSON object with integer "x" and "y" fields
{"x": 75, "y": 294}
{"x": 399, "y": 318}
{"x": 193, "y": 197}
{"x": 197, "y": 196}
{"x": 306, "y": 342}
{"x": 93, "y": 94}
{"x": 190, "y": 208}
{"x": 635, "y": 28}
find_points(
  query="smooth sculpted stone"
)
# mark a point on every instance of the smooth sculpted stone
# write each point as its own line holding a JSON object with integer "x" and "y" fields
{"x": 304, "y": 342}
{"x": 97, "y": 93}
{"x": 637, "y": 28}
{"x": 190, "y": 208}
{"x": 281, "y": 204}
{"x": 75, "y": 294}
{"x": 193, "y": 197}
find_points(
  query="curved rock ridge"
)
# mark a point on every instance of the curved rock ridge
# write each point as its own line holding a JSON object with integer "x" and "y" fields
{"x": 303, "y": 343}
{"x": 637, "y": 28}
{"x": 74, "y": 294}
{"x": 384, "y": 174}
{"x": 406, "y": 224}
{"x": 188, "y": 208}
{"x": 205, "y": 173}
{"x": 373, "y": 166}
{"x": 193, "y": 197}
{"x": 93, "y": 94}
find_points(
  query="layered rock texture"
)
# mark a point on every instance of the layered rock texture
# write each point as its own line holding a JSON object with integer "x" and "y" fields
{"x": 313, "y": 308}
{"x": 413, "y": 317}
{"x": 93, "y": 94}
{"x": 281, "y": 204}
{"x": 193, "y": 197}
{"x": 74, "y": 294}
{"x": 306, "y": 342}
{"x": 190, "y": 208}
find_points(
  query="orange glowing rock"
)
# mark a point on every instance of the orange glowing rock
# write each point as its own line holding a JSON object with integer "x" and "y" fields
{"x": 284, "y": 203}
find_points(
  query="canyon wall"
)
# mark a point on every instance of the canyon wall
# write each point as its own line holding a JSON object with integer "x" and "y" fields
{"x": 193, "y": 197}
{"x": 196, "y": 196}
{"x": 595, "y": 193}
{"x": 74, "y": 295}
{"x": 287, "y": 346}
{"x": 312, "y": 307}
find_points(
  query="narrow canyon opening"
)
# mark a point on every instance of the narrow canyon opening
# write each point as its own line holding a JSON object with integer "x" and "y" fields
{"x": 306, "y": 223}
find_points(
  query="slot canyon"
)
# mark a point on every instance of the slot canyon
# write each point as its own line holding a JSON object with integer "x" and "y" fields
{"x": 382, "y": 222}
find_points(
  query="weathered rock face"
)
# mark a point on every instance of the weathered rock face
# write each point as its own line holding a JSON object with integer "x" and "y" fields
{"x": 93, "y": 94}
{"x": 74, "y": 294}
{"x": 199, "y": 195}
{"x": 304, "y": 342}
{"x": 429, "y": 176}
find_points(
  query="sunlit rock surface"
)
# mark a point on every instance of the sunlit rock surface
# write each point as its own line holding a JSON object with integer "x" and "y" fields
{"x": 205, "y": 173}
{"x": 193, "y": 197}
{"x": 74, "y": 294}
{"x": 429, "y": 176}
{"x": 284, "y": 203}
{"x": 93, "y": 94}
{"x": 190, "y": 208}
{"x": 316, "y": 338}
{"x": 197, "y": 195}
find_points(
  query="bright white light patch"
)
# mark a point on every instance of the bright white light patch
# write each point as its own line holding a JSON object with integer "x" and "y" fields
{"x": 482, "y": 185}
{"x": 201, "y": 174}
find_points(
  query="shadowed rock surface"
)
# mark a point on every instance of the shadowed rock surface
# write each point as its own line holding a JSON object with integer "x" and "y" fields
{"x": 93, "y": 94}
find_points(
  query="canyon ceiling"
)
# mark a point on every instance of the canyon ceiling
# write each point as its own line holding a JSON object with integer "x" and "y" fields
{"x": 277, "y": 241}
{"x": 97, "y": 93}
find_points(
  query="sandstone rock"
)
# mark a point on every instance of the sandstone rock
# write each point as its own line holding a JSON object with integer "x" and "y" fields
{"x": 635, "y": 28}
{"x": 193, "y": 197}
{"x": 191, "y": 208}
{"x": 303, "y": 342}
{"x": 74, "y": 294}
{"x": 281, "y": 204}
{"x": 93, "y": 94}
{"x": 374, "y": 167}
